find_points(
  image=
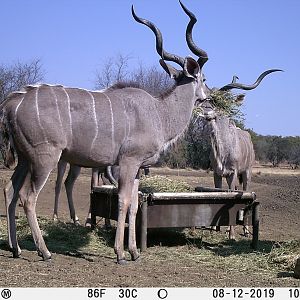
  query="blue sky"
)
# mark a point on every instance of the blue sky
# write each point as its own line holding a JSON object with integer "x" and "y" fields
{"x": 74, "y": 37}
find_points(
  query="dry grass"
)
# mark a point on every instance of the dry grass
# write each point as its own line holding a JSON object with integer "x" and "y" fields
{"x": 284, "y": 170}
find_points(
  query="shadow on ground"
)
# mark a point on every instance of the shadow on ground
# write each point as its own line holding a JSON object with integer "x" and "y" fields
{"x": 69, "y": 239}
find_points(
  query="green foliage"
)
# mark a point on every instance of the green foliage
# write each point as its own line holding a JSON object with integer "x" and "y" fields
{"x": 229, "y": 104}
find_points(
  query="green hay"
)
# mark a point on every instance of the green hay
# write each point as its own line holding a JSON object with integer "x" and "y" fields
{"x": 157, "y": 183}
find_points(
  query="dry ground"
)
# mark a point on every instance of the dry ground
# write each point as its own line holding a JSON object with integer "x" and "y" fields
{"x": 173, "y": 258}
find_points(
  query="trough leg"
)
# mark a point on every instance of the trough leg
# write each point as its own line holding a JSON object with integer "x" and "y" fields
{"x": 144, "y": 225}
{"x": 91, "y": 220}
{"x": 255, "y": 224}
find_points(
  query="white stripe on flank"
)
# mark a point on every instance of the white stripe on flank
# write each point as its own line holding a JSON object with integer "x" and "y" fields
{"x": 17, "y": 108}
{"x": 69, "y": 110}
{"x": 95, "y": 119}
{"x": 127, "y": 128}
{"x": 38, "y": 115}
{"x": 57, "y": 107}
{"x": 112, "y": 124}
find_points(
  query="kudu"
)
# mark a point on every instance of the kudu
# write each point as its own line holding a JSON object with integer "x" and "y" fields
{"x": 232, "y": 153}
{"x": 98, "y": 178}
{"x": 95, "y": 129}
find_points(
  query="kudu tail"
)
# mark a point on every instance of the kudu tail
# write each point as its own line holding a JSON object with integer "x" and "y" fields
{"x": 7, "y": 149}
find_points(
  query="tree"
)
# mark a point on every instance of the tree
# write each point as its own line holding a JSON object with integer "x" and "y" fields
{"x": 291, "y": 149}
{"x": 114, "y": 69}
{"x": 155, "y": 81}
{"x": 15, "y": 76}
{"x": 275, "y": 151}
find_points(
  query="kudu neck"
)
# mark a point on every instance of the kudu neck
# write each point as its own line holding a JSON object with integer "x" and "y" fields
{"x": 176, "y": 110}
{"x": 221, "y": 136}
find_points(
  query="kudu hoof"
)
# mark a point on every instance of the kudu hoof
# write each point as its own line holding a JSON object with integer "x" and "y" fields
{"x": 136, "y": 259}
{"x": 15, "y": 252}
{"x": 77, "y": 223}
{"x": 46, "y": 256}
{"x": 135, "y": 255}
{"x": 122, "y": 262}
{"x": 88, "y": 223}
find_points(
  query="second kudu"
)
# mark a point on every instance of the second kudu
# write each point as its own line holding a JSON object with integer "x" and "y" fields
{"x": 97, "y": 178}
{"x": 95, "y": 129}
{"x": 232, "y": 153}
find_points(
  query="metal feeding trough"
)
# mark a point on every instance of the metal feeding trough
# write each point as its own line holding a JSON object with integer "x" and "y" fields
{"x": 204, "y": 207}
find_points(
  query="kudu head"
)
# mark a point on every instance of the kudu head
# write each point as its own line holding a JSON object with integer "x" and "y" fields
{"x": 191, "y": 69}
{"x": 208, "y": 106}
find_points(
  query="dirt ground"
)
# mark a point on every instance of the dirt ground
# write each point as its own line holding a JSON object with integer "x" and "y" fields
{"x": 277, "y": 191}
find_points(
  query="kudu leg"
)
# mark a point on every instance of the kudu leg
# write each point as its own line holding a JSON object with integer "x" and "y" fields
{"x": 11, "y": 195}
{"x": 128, "y": 172}
{"x": 132, "y": 221}
{"x": 29, "y": 192}
{"x": 36, "y": 177}
{"x": 61, "y": 168}
{"x": 73, "y": 174}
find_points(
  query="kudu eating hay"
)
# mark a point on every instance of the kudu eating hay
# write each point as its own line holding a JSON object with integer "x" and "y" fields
{"x": 232, "y": 154}
{"x": 96, "y": 129}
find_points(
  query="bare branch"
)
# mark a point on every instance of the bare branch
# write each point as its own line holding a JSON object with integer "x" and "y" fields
{"x": 14, "y": 77}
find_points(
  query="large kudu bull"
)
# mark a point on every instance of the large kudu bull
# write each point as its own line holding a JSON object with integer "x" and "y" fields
{"x": 95, "y": 129}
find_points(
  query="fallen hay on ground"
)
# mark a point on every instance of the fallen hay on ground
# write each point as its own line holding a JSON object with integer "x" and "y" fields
{"x": 213, "y": 251}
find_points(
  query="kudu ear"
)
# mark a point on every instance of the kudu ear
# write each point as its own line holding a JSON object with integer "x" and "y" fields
{"x": 173, "y": 73}
{"x": 191, "y": 68}
{"x": 240, "y": 98}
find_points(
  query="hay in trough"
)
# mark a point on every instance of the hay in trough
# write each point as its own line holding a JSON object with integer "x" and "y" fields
{"x": 157, "y": 184}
